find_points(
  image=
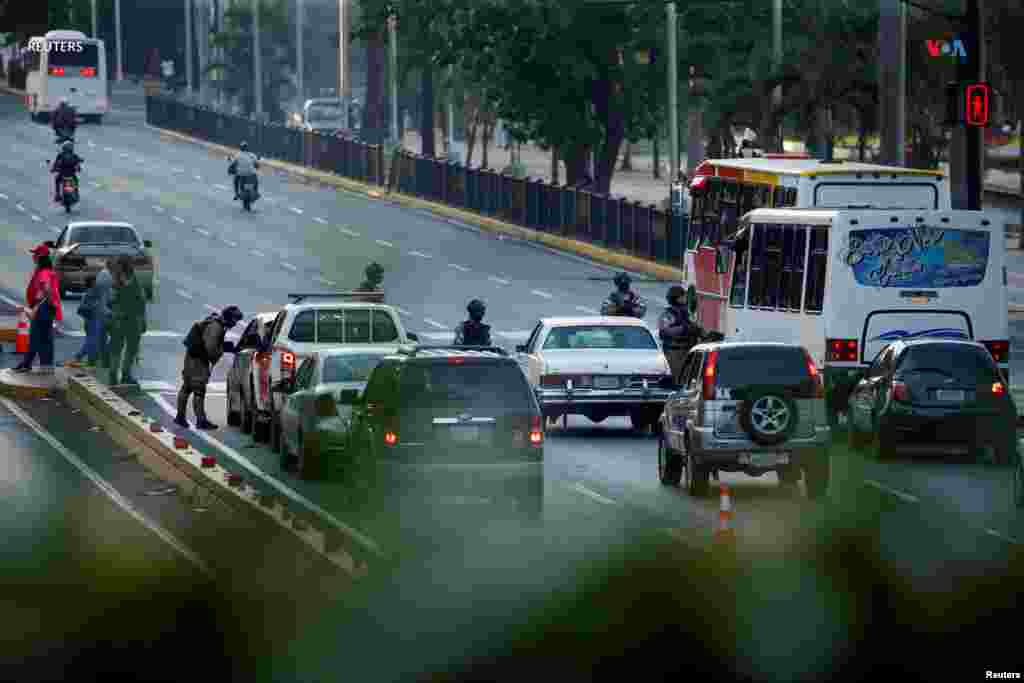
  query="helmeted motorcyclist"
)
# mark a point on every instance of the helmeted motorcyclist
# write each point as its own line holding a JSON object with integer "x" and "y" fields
{"x": 244, "y": 166}
{"x": 64, "y": 121}
{"x": 676, "y": 330}
{"x": 374, "y": 276}
{"x": 66, "y": 165}
{"x": 474, "y": 332}
{"x": 624, "y": 301}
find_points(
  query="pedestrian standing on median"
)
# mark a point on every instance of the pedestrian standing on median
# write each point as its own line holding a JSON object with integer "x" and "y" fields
{"x": 204, "y": 346}
{"x": 127, "y": 322}
{"x": 95, "y": 310}
{"x": 43, "y": 299}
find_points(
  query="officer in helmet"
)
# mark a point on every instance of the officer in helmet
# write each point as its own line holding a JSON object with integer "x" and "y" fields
{"x": 244, "y": 166}
{"x": 676, "y": 330}
{"x": 374, "y": 276}
{"x": 474, "y": 332}
{"x": 66, "y": 165}
{"x": 623, "y": 301}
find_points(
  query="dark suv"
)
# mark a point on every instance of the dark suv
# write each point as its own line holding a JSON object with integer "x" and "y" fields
{"x": 454, "y": 430}
{"x": 746, "y": 407}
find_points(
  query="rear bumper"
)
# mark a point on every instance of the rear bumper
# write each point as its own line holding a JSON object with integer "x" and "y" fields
{"x": 624, "y": 400}
{"x": 937, "y": 426}
{"x": 712, "y": 450}
{"x": 83, "y": 279}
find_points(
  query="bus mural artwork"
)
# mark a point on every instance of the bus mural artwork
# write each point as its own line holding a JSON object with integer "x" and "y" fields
{"x": 917, "y": 257}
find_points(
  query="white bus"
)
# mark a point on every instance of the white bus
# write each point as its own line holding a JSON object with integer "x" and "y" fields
{"x": 845, "y": 283}
{"x": 79, "y": 75}
{"x": 723, "y": 190}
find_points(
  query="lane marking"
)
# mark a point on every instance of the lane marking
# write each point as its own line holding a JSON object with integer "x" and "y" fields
{"x": 150, "y": 386}
{"x": 108, "y": 149}
{"x": 420, "y": 254}
{"x": 107, "y": 488}
{"x": 91, "y": 143}
{"x": 594, "y": 495}
{"x": 366, "y": 541}
{"x": 288, "y": 266}
{"x": 19, "y": 207}
{"x": 36, "y": 218}
{"x": 499, "y": 280}
{"x": 228, "y": 242}
{"x": 221, "y": 187}
{"x": 211, "y": 307}
{"x": 402, "y": 311}
{"x": 456, "y": 266}
{"x": 139, "y": 160}
{"x": 325, "y": 281}
{"x": 905, "y": 497}
{"x": 320, "y": 220}
{"x": 178, "y": 219}
{"x": 94, "y": 183}
{"x": 435, "y": 323}
{"x": 124, "y": 155}
{"x": 384, "y": 244}
{"x": 516, "y": 334}
{"x": 1002, "y": 537}
{"x": 590, "y": 311}
{"x": 159, "y": 334}
{"x": 348, "y": 232}
{"x": 257, "y": 252}
{"x": 295, "y": 210}
{"x": 437, "y": 336}
{"x": 185, "y": 295}
{"x": 541, "y": 293}
{"x": 204, "y": 233}
{"x": 3, "y": 196}
{"x": 158, "y": 209}
{"x": 197, "y": 177}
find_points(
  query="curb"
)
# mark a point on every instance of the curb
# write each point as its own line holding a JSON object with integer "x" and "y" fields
{"x": 27, "y": 387}
{"x": 174, "y": 457}
{"x": 593, "y": 252}
{"x": 8, "y": 330}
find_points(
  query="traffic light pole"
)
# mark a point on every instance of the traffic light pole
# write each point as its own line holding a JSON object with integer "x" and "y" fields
{"x": 975, "y": 147}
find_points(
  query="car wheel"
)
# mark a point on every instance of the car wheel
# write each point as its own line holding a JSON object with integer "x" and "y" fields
{"x": 696, "y": 478}
{"x": 1018, "y": 483}
{"x": 287, "y": 461}
{"x": 817, "y": 475}
{"x": 276, "y": 442}
{"x": 247, "y": 415}
{"x": 1004, "y": 453}
{"x": 858, "y": 440}
{"x": 260, "y": 429}
{"x": 670, "y": 465}
{"x": 234, "y": 416}
{"x": 768, "y": 417}
{"x": 639, "y": 421}
{"x": 886, "y": 444}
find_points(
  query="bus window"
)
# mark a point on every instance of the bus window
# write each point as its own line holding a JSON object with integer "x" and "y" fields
{"x": 758, "y": 256}
{"x": 728, "y": 223}
{"x": 815, "y": 280}
{"x": 88, "y": 57}
{"x": 783, "y": 196}
{"x": 794, "y": 251}
{"x": 738, "y": 291}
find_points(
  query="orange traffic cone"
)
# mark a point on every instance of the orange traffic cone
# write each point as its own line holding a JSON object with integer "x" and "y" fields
{"x": 21, "y": 341}
{"x": 725, "y": 533}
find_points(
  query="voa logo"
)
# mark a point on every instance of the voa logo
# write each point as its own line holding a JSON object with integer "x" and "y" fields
{"x": 947, "y": 48}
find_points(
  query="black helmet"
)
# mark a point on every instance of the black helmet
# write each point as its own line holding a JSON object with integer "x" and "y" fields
{"x": 232, "y": 315}
{"x": 374, "y": 272}
{"x": 244, "y": 146}
{"x": 674, "y": 292}
{"x": 476, "y": 309}
{"x": 622, "y": 281}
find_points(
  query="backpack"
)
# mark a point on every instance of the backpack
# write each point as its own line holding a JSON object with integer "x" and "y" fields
{"x": 194, "y": 339}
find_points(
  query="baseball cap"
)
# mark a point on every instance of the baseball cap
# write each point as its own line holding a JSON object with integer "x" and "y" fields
{"x": 40, "y": 250}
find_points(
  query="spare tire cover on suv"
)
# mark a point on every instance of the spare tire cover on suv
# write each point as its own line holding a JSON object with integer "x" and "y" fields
{"x": 768, "y": 415}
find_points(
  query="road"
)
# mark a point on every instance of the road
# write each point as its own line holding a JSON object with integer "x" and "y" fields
{"x": 938, "y": 521}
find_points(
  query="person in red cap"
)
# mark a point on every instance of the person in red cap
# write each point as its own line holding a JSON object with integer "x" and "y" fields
{"x": 43, "y": 298}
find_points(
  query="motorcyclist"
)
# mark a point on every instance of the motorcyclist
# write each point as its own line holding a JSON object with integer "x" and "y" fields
{"x": 64, "y": 120}
{"x": 374, "y": 276}
{"x": 474, "y": 332}
{"x": 66, "y": 165}
{"x": 624, "y": 301}
{"x": 676, "y": 330}
{"x": 244, "y": 166}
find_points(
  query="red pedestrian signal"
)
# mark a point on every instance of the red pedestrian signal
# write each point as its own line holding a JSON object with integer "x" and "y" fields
{"x": 977, "y": 105}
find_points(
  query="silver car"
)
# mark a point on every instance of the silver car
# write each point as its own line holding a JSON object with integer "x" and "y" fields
{"x": 746, "y": 407}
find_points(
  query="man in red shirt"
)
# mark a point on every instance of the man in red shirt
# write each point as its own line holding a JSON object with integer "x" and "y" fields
{"x": 43, "y": 299}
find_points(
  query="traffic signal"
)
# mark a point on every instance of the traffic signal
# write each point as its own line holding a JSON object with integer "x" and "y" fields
{"x": 976, "y": 105}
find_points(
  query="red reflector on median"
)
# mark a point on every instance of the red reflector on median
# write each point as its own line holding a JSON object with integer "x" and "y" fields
{"x": 180, "y": 443}
{"x": 155, "y": 427}
{"x": 235, "y": 480}
{"x": 208, "y": 461}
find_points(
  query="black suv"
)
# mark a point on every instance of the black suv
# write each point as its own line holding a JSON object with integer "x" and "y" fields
{"x": 452, "y": 429}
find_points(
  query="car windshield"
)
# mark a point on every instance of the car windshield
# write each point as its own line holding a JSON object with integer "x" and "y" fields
{"x": 484, "y": 389}
{"x": 104, "y": 234}
{"x": 965, "y": 363}
{"x": 350, "y": 368}
{"x": 600, "y": 337}
{"x": 769, "y": 365}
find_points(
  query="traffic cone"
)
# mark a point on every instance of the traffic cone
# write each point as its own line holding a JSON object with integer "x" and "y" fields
{"x": 21, "y": 341}
{"x": 725, "y": 533}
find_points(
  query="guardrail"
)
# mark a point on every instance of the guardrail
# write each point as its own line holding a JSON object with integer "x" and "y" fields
{"x": 641, "y": 230}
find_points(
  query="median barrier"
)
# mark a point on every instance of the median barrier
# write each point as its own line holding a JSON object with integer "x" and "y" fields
{"x": 8, "y": 329}
{"x": 201, "y": 477}
{"x": 30, "y": 385}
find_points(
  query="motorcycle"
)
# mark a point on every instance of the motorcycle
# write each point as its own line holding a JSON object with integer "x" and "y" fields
{"x": 69, "y": 192}
{"x": 247, "y": 191}
{"x": 639, "y": 308}
{"x": 64, "y": 135}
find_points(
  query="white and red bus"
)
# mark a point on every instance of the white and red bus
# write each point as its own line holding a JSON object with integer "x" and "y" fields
{"x": 67, "y": 64}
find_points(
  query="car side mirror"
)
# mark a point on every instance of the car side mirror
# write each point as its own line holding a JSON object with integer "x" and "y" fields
{"x": 284, "y": 386}
{"x": 521, "y": 348}
{"x": 348, "y": 397}
{"x": 411, "y": 336}
{"x": 148, "y": 244}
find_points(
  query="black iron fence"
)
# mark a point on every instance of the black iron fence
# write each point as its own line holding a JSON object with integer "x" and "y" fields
{"x": 638, "y": 229}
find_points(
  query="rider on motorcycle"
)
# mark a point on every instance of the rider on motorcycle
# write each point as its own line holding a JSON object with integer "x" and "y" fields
{"x": 244, "y": 166}
{"x": 624, "y": 301}
{"x": 64, "y": 121}
{"x": 474, "y": 332}
{"x": 66, "y": 165}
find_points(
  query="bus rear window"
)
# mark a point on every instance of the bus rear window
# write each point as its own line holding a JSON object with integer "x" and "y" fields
{"x": 876, "y": 195}
{"x": 925, "y": 257}
{"x": 72, "y": 60}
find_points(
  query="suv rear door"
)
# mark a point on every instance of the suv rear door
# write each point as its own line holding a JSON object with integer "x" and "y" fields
{"x": 951, "y": 376}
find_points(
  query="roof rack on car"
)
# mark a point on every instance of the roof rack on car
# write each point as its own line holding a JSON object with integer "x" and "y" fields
{"x": 413, "y": 349}
{"x": 365, "y": 297}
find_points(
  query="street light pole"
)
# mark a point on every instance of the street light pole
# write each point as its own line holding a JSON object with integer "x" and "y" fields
{"x": 188, "y": 45}
{"x": 118, "y": 53}
{"x": 393, "y": 72}
{"x": 777, "y": 55}
{"x": 257, "y": 65}
{"x": 299, "y": 62}
{"x": 892, "y": 78}
{"x": 673, "y": 94}
{"x": 94, "y": 32}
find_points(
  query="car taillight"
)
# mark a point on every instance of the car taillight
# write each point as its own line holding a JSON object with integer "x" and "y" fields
{"x": 812, "y": 370}
{"x": 325, "y": 406}
{"x": 536, "y": 431}
{"x": 288, "y": 362}
{"x": 998, "y": 388}
{"x": 56, "y": 71}
{"x": 841, "y": 350}
{"x": 899, "y": 392}
{"x": 89, "y": 71}
{"x": 709, "y": 376}
{"x": 390, "y": 438}
{"x": 553, "y": 380}
{"x": 999, "y": 348}
{"x": 456, "y": 360}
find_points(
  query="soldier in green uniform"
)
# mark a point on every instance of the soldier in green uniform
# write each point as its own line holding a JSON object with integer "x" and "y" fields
{"x": 127, "y": 322}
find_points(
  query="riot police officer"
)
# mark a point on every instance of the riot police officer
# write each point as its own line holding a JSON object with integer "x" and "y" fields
{"x": 676, "y": 330}
{"x": 474, "y": 332}
{"x": 623, "y": 301}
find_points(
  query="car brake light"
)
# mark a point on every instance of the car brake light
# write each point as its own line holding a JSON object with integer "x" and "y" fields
{"x": 288, "y": 362}
{"x": 841, "y": 350}
{"x": 536, "y": 431}
{"x": 56, "y": 71}
{"x": 812, "y": 370}
{"x": 709, "y": 376}
{"x": 552, "y": 380}
{"x": 456, "y": 360}
{"x": 999, "y": 348}
{"x": 900, "y": 392}
{"x": 89, "y": 71}
{"x": 998, "y": 388}
{"x": 325, "y": 406}
{"x": 390, "y": 438}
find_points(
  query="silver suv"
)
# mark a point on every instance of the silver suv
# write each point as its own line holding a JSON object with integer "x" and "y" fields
{"x": 751, "y": 407}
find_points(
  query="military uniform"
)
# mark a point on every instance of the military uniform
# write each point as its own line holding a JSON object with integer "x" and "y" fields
{"x": 127, "y": 325}
{"x": 676, "y": 331}
{"x": 472, "y": 333}
{"x": 196, "y": 372}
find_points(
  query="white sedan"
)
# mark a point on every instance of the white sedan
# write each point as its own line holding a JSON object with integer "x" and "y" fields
{"x": 598, "y": 367}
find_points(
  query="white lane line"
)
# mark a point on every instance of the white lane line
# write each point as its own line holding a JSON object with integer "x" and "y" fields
{"x": 515, "y": 334}
{"x": 140, "y": 160}
{"x": 185, "y": 295}
{"x": 91, "y": 143}
{"x": 94, "y": 183}
{"x": 435, "y": 323}
{"x": 272, "y": 200}
{"x": 204, "y": 233}
{"x": 1003, "y": 537}
{"x": 158, "y": 209}
{"x": 325, "y": 281}
{"x": 107, "y": 488}
{"x": 288, "y": 266}
{"x": 3, "y": 196}
{"x": 19, "y": 207}
{"x": 905, "y": 497}
{"x": 124, "y": 155}
{"x": 36, "y": 218}
{"x": 499, "y": 280}
{"x": 212, "y": 389}
{"x": 228, "y": 242}
{"x": 541, "y": 293}
{"x": 594, "y": 495}
{"x": 178, "y": 219}
{"x": 420, "y": 254}
{"x": 456, "y": 266}
{"x": 350, "y": 233}
{"x": 212, "y": 308}
{"x": 197, "y": 177}
{"x": 221, "y": 187}
{"x": 366, "y": 541}
{"x": 383, "y": 243}
{"x": 589, "y": 311}
{"x": 153, "y": 334}
{"x": 178, "y": 170}
{"x": 320, "y": 220}
{"x": 257, "y": 252}
{"x": 108, "y": 149}
{"x": 402, "y": 311}
{"x": 295, "y": 210}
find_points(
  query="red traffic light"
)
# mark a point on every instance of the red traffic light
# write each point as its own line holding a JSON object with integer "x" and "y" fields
{"x": 977, "y": 105}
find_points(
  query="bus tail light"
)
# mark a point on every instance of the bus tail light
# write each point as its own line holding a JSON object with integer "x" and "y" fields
{"x": 899, "y": 392}
{"x": 999, "y": 348}
{"x": 709, "y": 376}
{"x": 536, "y": 431}
{"x": 89, "y": 71}
{"x": 56, "y": 71}
{"x": 841, "y": 350}
{"x": 998, "y": 388}
{"x": 812, "y": 370}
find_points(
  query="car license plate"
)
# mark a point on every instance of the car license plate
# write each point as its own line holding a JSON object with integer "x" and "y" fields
{"x": 769, "y": 459}
{"x": 606, "y": 382}
{"x": 949, "y": 395}
{"x": 466, "y": 434}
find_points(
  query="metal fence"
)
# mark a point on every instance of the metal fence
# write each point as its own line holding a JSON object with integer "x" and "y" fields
{"x": 641, "y": 230}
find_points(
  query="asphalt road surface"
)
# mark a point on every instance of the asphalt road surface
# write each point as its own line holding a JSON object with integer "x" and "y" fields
{"x": 938, "y": 520}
